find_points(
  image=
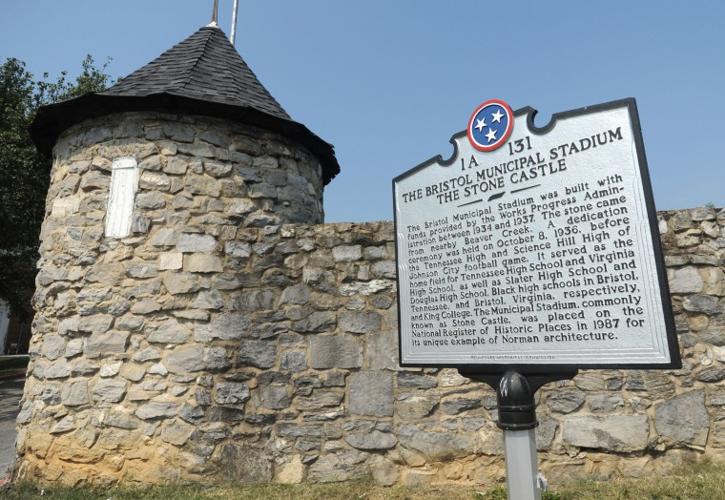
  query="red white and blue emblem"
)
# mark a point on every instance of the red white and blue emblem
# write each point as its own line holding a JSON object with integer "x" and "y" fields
{"x": 490, "y": 125}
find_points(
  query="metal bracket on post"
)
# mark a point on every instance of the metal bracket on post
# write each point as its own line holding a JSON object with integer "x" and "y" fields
{"x": 517, "y": 417}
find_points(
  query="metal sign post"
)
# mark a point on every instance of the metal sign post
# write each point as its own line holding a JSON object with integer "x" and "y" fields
{"x": 521, "y": 464}
{"x": 517, "y": 418}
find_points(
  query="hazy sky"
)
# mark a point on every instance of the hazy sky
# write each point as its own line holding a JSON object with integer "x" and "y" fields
{"x": 389, "y": 82}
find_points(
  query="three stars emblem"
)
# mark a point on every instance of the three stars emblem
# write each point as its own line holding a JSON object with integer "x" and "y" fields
{"x": 490, "y": 125}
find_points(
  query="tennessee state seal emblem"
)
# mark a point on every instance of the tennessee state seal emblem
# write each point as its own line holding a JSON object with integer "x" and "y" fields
{"x": 490, "y": 125}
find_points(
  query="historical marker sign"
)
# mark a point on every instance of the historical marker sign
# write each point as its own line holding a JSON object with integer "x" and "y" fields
{"x": 534, "y": 248}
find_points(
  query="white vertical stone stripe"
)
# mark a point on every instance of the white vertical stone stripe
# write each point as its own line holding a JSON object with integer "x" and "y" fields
{"x": 124, "y": 184}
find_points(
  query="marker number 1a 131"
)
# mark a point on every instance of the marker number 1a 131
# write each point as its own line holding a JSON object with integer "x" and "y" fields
{"x": 519, "y": 145}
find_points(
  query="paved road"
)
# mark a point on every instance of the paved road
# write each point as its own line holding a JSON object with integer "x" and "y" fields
{"x": 10, "y": 393}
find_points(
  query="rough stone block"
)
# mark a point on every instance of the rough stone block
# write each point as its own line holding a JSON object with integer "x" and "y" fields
{"x": 335, "y": 351}
{"x": 184, "y": 359}
{"x": 98, "y": 323}
{"x": 53, "y": 347}
{"x": 231, "y": 393}
{"x": 319, "y": 399}
{"x": 176, "y": 166}
{"x": 154, "y": 181}
{"x": 296, "y": 294}
{"x": 318, "y": 321}
{"x": 66, "y": 424}
{"x": 180, "y": 132}
{"x": 170, "y": 261}
{"x": 372, "y": 440}
{"x": 106, "y": 342}
{"x": 176, "y": 432}
{"x": 382, "y": 351}
{"x": 109, "y": 390}
{"x": 168, "y": 331}
{"x": 244, "y": 464}
{"x": 384, "y": 269}
{"x": 545, "y": 433}
{"x": 202, "y": 184}
{"x": 208, "y": 299}
{"x": 371, "y": 393}
{"x": 383, "y": 471}
{"x": 618, "y": 433}
{"x": 146, "y": 306}
{"x": 238, "y": 249}
{"x": 685, "y": 280}
{"x": 75, "y": 393}
{"x": 342, "y": 465}
{"x": 290, "y": 472}
{"x": 411, "y": 407}
{"x": 293, "y": 361}
{"x": 437, "y": 446}
{"x": 257, "y": 353}
{"x": 416, "y": 380}
{"x": 73, "y": 348}
{"x": 225, "y": 326}
{"x": 347, "y": 253}
{"x": 141, "y": 270}
{"x": 132, "y": 371}
{"x": 121, "y": 420}
{"x": 701, "y": 303}
{"x": 193, "y": 242}
{"x": 202, "y": 263}
{"x": 605, "y": 403}
{"x": 129, "y": 322}
{"x": 565, "y": 401}
{"x": 163, "y": 237}
{"x": 217, "y": 169}
{"x": 683, "y": 419}
{"x": 178, "y": 282}
{"x": 360, "y": 321}
{"x": 455, "y": 406}
{"x": 274, "y": 394}
{"x": 157, "y": 409}
{"x": 152, "y": 200}
{"x": 712, "y": 374}
{"x": 215, "y": 358}
{"x": 109, "y": 369}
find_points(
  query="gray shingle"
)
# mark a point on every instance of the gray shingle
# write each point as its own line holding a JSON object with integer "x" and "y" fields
{"x": 204, "y": 66}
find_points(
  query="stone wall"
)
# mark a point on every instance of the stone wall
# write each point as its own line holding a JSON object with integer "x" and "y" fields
{"x": 269, "y": 354}
{"x": 207, "y": 172}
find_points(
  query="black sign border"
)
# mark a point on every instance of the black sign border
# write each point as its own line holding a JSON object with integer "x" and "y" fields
{"x": 674, "y": 351}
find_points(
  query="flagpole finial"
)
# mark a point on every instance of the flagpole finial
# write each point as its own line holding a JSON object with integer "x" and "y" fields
{"x": 215, "y": 13}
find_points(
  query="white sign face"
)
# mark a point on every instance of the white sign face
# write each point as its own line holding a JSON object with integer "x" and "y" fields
{"x": 541, "y": 252}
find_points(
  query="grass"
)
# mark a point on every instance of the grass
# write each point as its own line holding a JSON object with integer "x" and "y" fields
{"x": 702, "y": 482}
{"x": 693, "y": 482}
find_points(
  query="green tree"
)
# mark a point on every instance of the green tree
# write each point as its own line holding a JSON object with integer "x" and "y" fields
{"x": 24, "y": 172}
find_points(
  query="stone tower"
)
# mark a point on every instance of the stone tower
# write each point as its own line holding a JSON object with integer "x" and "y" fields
{"x": 148, "y": 313}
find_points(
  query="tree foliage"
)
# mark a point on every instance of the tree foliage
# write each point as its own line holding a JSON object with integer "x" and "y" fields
{"x": 24, "y": 172}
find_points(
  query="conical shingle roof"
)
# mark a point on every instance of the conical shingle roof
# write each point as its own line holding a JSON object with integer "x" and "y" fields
{"x": 205, "y": 66}
{"x": 203, "y": 75}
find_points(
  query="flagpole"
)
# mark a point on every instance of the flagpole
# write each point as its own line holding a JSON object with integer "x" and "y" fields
{"x": 215, "y": 13}
{"x": 234, "y": 21}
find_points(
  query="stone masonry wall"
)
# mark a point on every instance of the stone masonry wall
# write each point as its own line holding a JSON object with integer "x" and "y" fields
{"x": 276, "y": 360}
{"x": 205, "y": 171}
{"x": 105, "y": 306}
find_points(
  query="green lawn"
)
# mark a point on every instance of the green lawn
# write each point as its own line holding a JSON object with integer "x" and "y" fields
{"x": 704, "y": 482}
